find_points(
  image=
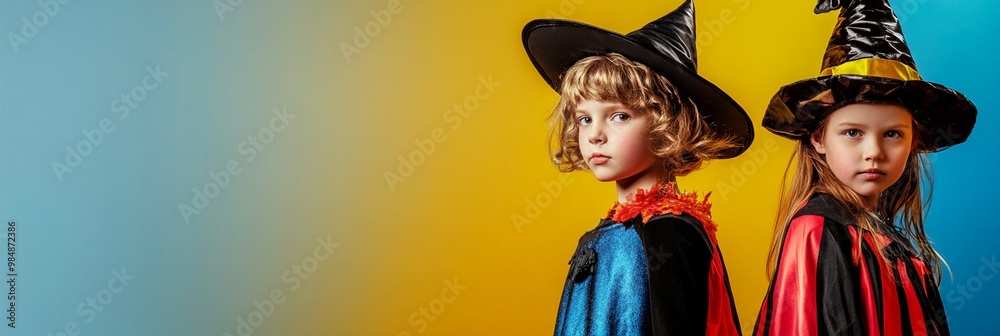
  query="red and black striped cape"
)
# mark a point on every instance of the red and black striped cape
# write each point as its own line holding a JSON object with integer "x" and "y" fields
{"x": 823, "y": 285}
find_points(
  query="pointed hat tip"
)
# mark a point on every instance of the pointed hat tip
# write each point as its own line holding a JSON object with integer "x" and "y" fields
{"x": 825, "y": 6}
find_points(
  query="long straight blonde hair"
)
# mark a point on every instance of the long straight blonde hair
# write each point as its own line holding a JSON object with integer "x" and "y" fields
{"x": 900, "y": 205}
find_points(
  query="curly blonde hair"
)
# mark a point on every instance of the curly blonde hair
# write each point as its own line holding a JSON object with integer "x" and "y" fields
{"x": 680, "y": 137}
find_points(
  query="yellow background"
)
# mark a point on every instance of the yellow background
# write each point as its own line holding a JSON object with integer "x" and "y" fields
{"x": 451, "y": 219}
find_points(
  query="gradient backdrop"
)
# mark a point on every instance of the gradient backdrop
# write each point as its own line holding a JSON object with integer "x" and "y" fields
{"x": 403, "y": 186}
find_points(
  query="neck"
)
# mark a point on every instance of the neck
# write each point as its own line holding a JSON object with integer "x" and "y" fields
{"x": 871, "y": 202}
{"x": 643, "y": 180}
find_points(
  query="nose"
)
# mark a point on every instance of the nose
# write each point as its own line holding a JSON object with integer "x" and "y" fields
{"x": 596, "y": 134}
{"x": 873, "y": 150}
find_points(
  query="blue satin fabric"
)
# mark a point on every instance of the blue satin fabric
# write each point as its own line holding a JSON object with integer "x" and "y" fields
{"x": 609, "y": 296}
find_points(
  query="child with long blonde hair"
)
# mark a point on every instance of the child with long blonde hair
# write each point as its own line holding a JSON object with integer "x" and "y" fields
{"x": 850, "y": 255}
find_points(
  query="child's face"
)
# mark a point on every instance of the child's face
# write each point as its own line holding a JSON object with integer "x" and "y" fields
{"x": 614, "y": 140}
{"x": 867, "y": 146}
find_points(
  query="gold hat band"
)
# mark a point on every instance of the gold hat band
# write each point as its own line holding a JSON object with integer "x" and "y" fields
{"x": 878, "y": 67}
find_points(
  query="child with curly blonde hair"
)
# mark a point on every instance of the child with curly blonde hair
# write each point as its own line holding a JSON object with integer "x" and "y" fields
{"x": 633, "y": 110}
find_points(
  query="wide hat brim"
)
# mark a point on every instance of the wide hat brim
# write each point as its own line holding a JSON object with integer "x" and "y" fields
{"x": 556, "y": 45}
{"x": 946, "y": 116}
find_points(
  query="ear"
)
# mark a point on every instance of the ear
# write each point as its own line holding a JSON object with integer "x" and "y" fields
{"x": 817, "y": 141}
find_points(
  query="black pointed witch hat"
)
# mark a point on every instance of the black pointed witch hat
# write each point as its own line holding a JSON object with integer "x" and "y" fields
{"x": 867, "y": 61}
{"x": 667, "y": 46}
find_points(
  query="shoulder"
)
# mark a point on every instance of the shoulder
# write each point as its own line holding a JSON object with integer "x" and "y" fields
{"x": 826, "y": 207}
{"x": 679, "y": 223}
{"x": 680, "y": 230}
{"x": 822, "y": 218}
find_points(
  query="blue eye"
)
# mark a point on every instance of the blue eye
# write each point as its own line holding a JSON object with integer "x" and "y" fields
{"x": 852, "y": 133}
{"x": 620, "y": 117}
{"x": 583, "y": 120}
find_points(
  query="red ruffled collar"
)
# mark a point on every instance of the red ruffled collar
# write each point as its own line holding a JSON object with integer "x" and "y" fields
{"x": 663, "y": 198}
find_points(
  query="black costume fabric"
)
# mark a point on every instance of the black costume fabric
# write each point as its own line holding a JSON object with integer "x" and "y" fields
{"x": 658, "y": 273}
{"x": 824, "y": 285}
{"x": 867, "y": 61}
{"x": 665, "y": 45}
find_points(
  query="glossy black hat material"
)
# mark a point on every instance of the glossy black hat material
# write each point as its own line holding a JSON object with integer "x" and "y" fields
{"x": 868, "y": 61}
{"x": 666, "y": 45}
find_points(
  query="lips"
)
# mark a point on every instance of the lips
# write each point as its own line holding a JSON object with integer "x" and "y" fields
{"x": 872, "y": 174}
{"x": 598, "y": 159}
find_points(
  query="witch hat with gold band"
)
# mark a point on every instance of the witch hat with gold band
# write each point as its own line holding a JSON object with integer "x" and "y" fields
{"x": 667, "y": 46}
{"x": 867, "y": 61}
